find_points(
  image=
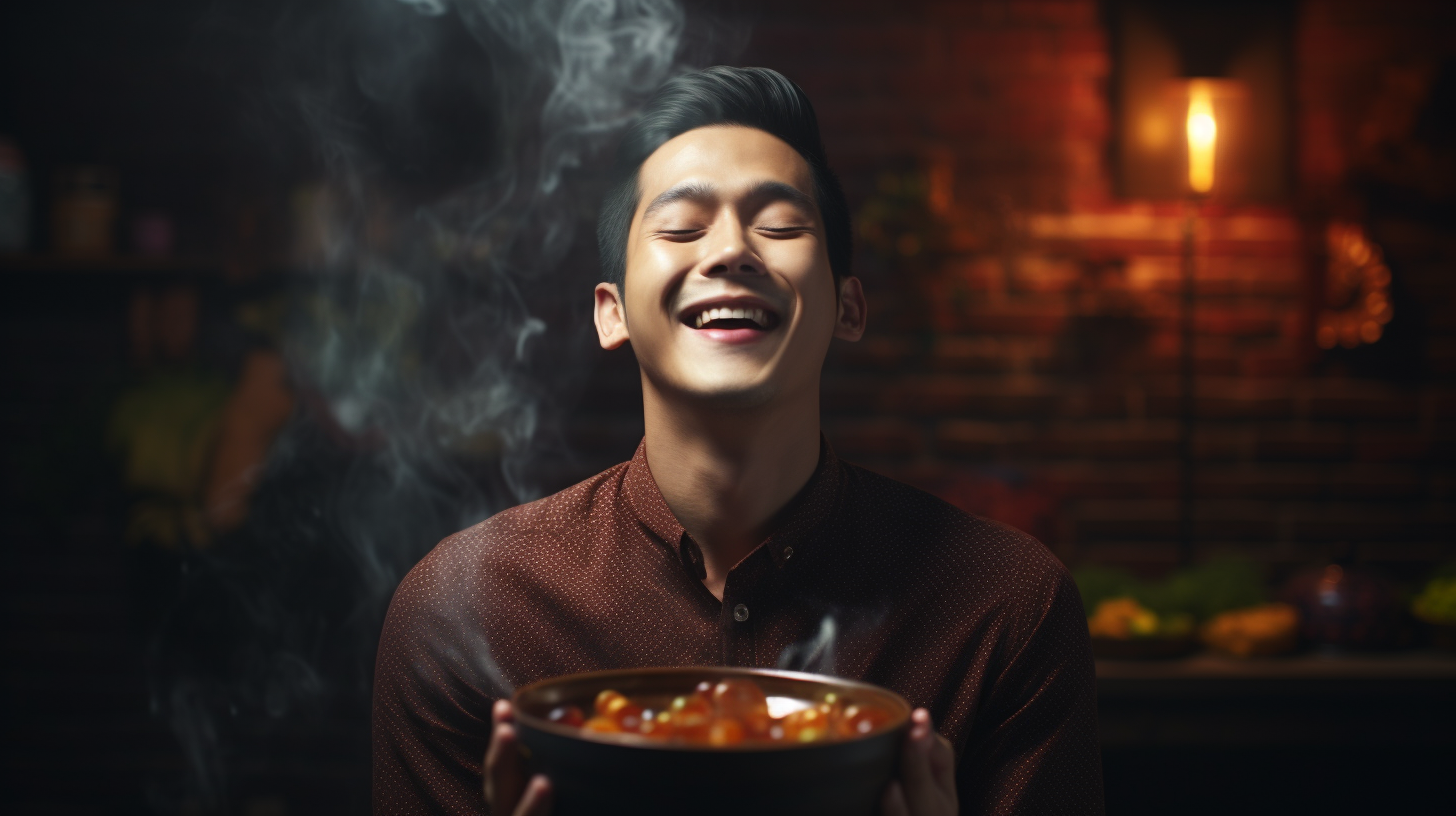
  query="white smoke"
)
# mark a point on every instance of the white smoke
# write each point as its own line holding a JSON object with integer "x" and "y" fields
{"x": 464, "y": 268}
{"x": 438, "y": 332}
{"x": 816, "y": 654}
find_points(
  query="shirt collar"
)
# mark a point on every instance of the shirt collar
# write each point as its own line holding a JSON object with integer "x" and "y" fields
{"x": 815, "y": 503}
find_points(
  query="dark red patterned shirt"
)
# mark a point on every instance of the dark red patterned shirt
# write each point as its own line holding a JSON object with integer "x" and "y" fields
{"x": 864, "y": 577}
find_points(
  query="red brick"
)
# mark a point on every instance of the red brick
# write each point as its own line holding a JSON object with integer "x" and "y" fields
{"x": 948, "y": 396}
{"x": 982, "y": 439}
{"x": 1112, "y": 480}
{"x": 1126, "y": 521}
{"x": 1247, "y": 321}
{"x": 1372, "y": 528}
{"x": 1374, "y": 406}
{"x": 1146, "y": 558}
{"x": 1423, "y": 553}
{"x": 972, "y": 353}
{"x": 1391, "y": 446}
{"x": 1215, "y": 362}
{"x": 1023, "y": 318}
{"x": 1270, "y": 364}
{"x": 1326, "y": 444}
{"x": 1108, "y": 441}
{"x": 1236, "y": 406}
{"x": 873, "y": 351}
{"x": 1104, "y": 403}
{"x": 1221, "y": 442}
{"x": 1375, "y": 484}
{"x": 1014, "y": 94}
{"x": 875, "y": 437}
{"x": 1265, "y": 483}
{"x": 849, "y": 395}
{"x": 1215, "y": 522}
{"x": 1041, "y": 273}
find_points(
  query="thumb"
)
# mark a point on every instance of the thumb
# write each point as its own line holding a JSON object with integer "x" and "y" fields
{"x": 893, "y": 802}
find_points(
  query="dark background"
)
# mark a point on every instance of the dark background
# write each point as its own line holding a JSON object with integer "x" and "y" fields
{"x": 1022, "y": 363}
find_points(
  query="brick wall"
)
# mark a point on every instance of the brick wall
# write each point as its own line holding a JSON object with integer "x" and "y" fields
{"x": 1024, "y": 365}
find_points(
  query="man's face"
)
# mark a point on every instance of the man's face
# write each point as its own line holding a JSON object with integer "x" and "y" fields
{"x": 728, "y": 280}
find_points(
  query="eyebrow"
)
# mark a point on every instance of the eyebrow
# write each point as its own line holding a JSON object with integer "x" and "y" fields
{"x": 764, "y": 191}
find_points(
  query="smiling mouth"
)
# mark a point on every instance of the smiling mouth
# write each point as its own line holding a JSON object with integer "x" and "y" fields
{"x": 730, "y": 317}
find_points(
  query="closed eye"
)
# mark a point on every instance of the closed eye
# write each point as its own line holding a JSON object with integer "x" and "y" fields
{"x": 784, "y": 230}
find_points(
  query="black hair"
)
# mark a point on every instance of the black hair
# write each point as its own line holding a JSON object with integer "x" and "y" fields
{"x": 751, "y": 97}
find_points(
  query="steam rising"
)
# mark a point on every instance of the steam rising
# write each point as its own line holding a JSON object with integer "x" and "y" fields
{"x": 434, "y": 341}
{"x": 815, "y": 654}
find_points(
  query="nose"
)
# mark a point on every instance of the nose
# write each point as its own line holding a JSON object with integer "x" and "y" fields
{"x": 729, "y": 252}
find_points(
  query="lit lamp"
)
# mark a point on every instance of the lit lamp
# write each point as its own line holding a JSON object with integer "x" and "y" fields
{"x": 1199, "y": 87}
{"x": 1201, "y": 99}
{"x": 1201, "y": 127}
{"x": 1202, "y": 137}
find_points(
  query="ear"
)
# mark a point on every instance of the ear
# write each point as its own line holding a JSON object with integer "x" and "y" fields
{"x": 853, "y": 310}
{"x": 610, "y": 316}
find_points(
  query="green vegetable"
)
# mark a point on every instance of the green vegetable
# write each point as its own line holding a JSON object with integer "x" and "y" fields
{"x": 1187, "y": 596}
{"x": 1097, "y": 584}
{"x": 1437, "y": 602}
{"x": 1208, "y": 589}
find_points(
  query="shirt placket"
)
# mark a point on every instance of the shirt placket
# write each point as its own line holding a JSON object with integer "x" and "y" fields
{"x": 742, "y": 611}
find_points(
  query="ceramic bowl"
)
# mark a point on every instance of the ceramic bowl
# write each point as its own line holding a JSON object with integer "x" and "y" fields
{"x": 634, "y": 775}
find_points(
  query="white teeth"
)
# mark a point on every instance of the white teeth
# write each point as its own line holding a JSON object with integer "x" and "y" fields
{"x": 758, "y": 316}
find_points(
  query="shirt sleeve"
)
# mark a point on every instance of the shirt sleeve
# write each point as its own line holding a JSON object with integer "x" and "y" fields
{"x": 431, "y": 713}
{"x": 1034, "y": 749}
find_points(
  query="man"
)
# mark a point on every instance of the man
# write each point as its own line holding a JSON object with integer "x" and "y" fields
{"x": 735, "y": 536}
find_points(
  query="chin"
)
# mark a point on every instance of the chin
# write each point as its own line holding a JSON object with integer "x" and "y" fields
{"x": 735, "y": 393}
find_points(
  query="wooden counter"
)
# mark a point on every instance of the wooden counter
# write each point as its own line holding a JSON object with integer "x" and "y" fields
{"x": 1406, "y": 698}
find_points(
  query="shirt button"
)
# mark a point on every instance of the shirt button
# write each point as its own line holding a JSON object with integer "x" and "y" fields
{"x": 740, "y": 613}
{"x": 788, "y": 553}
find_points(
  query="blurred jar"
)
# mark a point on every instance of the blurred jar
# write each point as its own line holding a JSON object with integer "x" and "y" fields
{"x": 83, "y": 212}
{"x": 1347, "y": 608}
{"x": 14, "y": 198}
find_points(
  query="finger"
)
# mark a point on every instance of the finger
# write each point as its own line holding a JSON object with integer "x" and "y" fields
{"x": 893, "y": 802}
{"x": 503, "y": 776}
{"x": 942, "y": 764}
{"x": 915, "y": 776}
{"x": 537, "y": 800}
{"x": 920, "y": 725}
{"x": 502, "y": 782}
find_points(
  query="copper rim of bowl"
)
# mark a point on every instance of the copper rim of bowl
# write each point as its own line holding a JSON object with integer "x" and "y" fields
{"x": 896, "y": 704}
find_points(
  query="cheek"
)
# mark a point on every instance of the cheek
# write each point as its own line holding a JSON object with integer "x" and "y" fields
{"x": 662, "y": 259}
{"x": 809, "y": 274}
{"x": 655, "y": 271}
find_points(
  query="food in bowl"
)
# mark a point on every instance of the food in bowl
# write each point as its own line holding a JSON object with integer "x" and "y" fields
{"x": 1258, "y": 631}
{"x": 732, "y": 711}
{"x": 1124, "y": 618}
{"x": 695, "y": 767}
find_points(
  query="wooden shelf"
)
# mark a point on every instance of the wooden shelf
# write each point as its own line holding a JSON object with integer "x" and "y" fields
{"x": 1345, "y": 702}
{"x": 1422, "y": 665}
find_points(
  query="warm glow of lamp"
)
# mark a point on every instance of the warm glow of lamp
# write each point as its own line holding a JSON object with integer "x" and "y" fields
{"x": 1202, "y": 137}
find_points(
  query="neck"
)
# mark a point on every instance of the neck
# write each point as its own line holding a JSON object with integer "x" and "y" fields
{"x": 726, "y": 472}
